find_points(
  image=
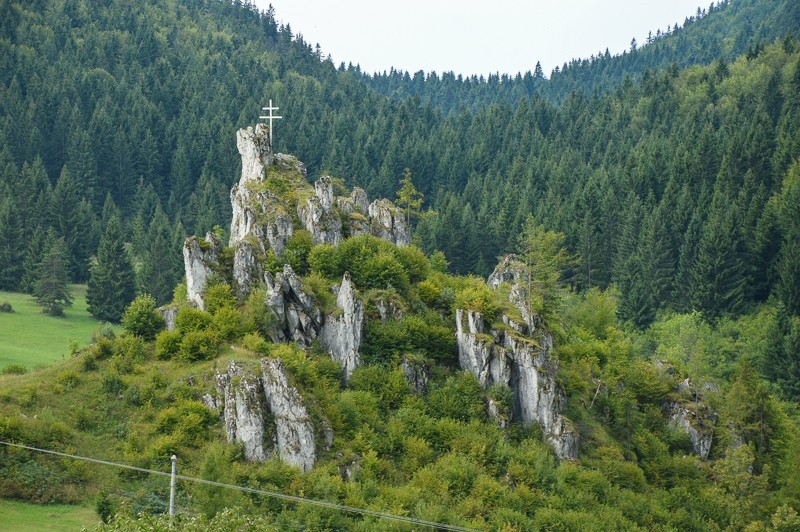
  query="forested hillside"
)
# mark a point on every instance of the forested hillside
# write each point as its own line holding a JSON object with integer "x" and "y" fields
{"x": 634, "y": 366}
{"x": 725, "y": 30}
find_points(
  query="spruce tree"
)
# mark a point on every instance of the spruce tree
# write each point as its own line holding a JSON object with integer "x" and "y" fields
{"x": 718, "y": 277}
{"x": 52, "y": 285}
{"x": 12, "y": 245}
{"x": 111, "y": 279}
{"x": 158, "y": 276}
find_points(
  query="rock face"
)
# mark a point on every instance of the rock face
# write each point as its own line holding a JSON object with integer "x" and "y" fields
{"x": 298, "y": 316}
{"x": 169, "y": 312}
{"x": 246, "y": 268}
{"x": 519, "y": 357}
{"x": 244, "y": 411}
{"x": 697, "y": 427}
{"x": 294, "y": 433}
{"x": 525, "y": 366}
{"x": 318, "y": 216}
{"x": 387, "y": 222}
{"x": 199, "y": 260}
{"x": 341, "y": 332}
{"x": 416, "y": 374}
{"x": 265, "y": 414}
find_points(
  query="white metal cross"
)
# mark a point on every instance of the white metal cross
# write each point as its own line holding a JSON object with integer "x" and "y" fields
{"x": 270, "y": 117}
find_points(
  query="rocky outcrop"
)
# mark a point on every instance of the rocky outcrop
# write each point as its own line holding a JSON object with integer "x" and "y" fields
{"x": 244, "y": 411}
{"x": 527, "y": 367}
{"x": 697, "y": 426}
{"x": 387, "y": 222}
{"x": 416, "y": 374}
{"x": 199, "y": 259}
{"x": 169, "y": 313}
{"x": 512, "y": 270}
{"x": 341, "y": 333}
{"x": 318, "y": 216}
{"x": 265, "y": 414}
{"x": 298, "y": 317}
{"x": 254, "y": 146}
{"x": 294, "y": 434}
{"x": 246, "y": 268}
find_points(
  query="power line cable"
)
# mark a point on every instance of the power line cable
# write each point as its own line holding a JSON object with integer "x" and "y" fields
{"x": 275, "y": 494}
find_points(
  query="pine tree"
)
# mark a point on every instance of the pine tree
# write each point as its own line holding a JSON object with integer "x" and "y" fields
{"x": 41, "y": 241}
{"x": 408, "y": 198}
{"x": 112, "y": 284}
{"x": 52, "y": 285}
{"x": 12, "y": 245}
{"x": 158, "y": 275}
{"x": 717, "y": 280}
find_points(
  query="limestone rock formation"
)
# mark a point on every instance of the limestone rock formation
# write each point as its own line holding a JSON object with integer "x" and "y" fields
{"x": 246, "y": 268}
{"x": 341, "y": 332}
{"x": 696, "y": 425}
{"x": 387, "y": 222}
{"x": 294, "y": 434}
{"x": 416, "y": 374}
{"x": 244, "y": 411}
{"x": 199, "y": 259}
{"x": 519, "y": 356}
{"x": 299, "y": 318}
{"x": 527, "y": 367}
{"x": 169, "y": 313}
{"x": 264, "y": 413}
{"x": 318, "y": 216}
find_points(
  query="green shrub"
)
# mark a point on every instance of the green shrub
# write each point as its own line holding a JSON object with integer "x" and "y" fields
{"x": 103, "y": 331}
{"x": 414, "y": 262}
{"x": 228, "y": 323}
{"x": 324, "y": 260}
{"x": 192, "y": 320}
{"x": 141, "y": 317}
{"x": 219, "y": 296}
{"x": 319, "y": 288}
{"x": 459, "y": 397}
{"x": 429, "y": 292}
{"x": 296, "y": 251}
{"x": 383, "y": 271}
{"x": 68, "y": 379}
{"x": 198, "y": 345}
{"x": 14, "y": 369}
{"x": 103, "y": 348}
{"x": 5, "y": 306}
{"x": 255, "y": 315}
{"x": 113, "y": 383}
{"x": 168, "y": 343}
{"x": 255, "y": 342}
{"x": 478, "y": 298}
{"x": 129, "y": 347}
{"x": 390, "y": 389}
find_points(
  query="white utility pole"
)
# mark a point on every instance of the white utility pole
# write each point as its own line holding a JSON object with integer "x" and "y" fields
{"x": 172, "y": 490}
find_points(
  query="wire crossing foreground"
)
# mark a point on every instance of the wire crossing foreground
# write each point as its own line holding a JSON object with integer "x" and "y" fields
{"x": 275, "y": 494}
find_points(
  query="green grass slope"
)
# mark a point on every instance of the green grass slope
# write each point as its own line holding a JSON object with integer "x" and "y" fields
{"x": 31, "y": 338}
{"x": 20, "y": 516}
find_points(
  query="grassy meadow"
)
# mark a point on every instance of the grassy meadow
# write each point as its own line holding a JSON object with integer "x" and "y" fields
{"x": 20, "y": 516}
{"x": 32, "y": 338}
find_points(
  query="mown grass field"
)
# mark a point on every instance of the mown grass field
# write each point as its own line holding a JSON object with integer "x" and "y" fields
{"x": 20, "y": 516}
{"x": 32, "y": 338}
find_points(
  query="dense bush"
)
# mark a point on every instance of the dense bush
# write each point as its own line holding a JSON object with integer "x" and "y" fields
{"x": 198, "y": 345}
{"x": 192, "y": 320}
{"x": 218, "y": 296}
{"x": 168, "y": 344}
{"x": 296, "y": 251}
{"x": 141, "y": 317}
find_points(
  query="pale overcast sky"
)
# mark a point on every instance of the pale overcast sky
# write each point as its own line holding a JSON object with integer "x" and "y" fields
{"x": 475, "y": 37}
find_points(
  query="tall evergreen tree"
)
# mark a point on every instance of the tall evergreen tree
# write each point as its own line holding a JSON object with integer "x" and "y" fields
{"x": 158, "y": 274}
{"x": 112, "y": 285}
{"x": 718, "y": 276}
{"x": 12, "y": 245}
{"x": 52, "y": 283}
